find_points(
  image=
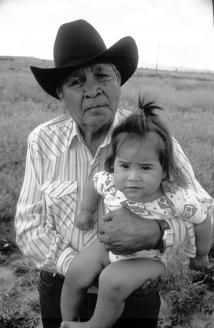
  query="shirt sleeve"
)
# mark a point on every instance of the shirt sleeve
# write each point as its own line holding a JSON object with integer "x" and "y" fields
{"x": 184, "y": 230}
{"x": 188, "y": 207}
{"x": 103, "y": 181}
{"x": 184, "y": 163}
{"x": 36, "y": 235}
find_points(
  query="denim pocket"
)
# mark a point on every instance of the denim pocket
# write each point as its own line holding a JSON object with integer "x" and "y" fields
{"x": 49, "y": 283}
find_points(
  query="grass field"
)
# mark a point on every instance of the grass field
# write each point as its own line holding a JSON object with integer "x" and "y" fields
{"x": 188, "y": 99}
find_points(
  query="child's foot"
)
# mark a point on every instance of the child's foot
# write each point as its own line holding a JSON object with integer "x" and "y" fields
{"x": 75, "y": 324}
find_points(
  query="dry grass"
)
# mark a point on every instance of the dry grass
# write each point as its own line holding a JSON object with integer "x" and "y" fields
{"x": 188, "y": 100}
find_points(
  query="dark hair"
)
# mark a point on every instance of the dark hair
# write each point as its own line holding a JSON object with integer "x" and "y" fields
{"x": 139, "y": 124}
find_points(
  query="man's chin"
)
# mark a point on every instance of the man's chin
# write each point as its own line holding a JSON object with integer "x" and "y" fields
{"x": 104, "y": 110}
{"x": 97, "y": 122}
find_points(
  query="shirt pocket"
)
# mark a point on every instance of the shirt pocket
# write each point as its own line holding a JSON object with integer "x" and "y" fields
{"x": 60, "y": 198}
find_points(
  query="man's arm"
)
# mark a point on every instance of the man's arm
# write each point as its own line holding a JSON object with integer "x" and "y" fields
{"x": 36, "y": 234}
{"x": 186, "y": 167}
{"x": 124, "y": 232}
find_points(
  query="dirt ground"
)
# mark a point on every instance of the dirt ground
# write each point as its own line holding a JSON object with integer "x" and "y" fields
{"x": 19, "y": 305}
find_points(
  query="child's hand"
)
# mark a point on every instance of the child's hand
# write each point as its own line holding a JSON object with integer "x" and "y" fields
{"x": 84, "y": 221}
{"x": 199, "y": 262}
{"x": 63, "y": 324}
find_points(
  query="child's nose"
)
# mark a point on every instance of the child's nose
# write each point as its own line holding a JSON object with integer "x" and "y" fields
{"x": 134, "y": 175}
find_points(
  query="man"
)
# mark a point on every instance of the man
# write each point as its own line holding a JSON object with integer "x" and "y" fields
{"x": 63, "y": 152}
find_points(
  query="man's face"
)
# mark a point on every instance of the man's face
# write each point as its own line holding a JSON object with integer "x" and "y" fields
{"x": 91, "y": 95}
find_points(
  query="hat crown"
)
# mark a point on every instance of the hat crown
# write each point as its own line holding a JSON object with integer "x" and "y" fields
{"x": 77, "y": 45}
{"x": 76, "y": 41}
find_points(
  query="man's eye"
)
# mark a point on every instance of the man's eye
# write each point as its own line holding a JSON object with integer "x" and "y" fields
{"x": 102, "y": 77}
{"x": 75, "y": 83}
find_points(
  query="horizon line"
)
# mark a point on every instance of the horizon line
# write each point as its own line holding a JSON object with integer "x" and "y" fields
{"x": 146, "y": 65}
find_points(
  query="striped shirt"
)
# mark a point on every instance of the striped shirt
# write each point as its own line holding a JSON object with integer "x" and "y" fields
{"x": 58, "y": 165}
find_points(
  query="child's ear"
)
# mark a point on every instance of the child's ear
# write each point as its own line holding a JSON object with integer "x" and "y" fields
{"x": 112, "y": 167}
{"x": 163, "y": 176}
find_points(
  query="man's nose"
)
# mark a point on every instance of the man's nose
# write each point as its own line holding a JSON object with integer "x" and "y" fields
{"x": 91, "y": 88}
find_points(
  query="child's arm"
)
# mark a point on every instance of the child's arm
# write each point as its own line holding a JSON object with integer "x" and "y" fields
{"x": 203, "y": 234}
{"x": 199, "y": 216}
{"x": 188, "y": 207}
{"x": 84, "y": 220}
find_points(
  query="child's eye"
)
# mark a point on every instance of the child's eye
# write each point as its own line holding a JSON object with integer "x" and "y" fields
{"x": 146, "y": 167}
{"x": 124, "y": 166}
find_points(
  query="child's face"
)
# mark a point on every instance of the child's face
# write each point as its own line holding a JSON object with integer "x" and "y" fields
{"x": 137, "y": 170}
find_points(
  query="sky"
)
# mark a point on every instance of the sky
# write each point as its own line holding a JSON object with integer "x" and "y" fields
{"x": 169, "y": 33}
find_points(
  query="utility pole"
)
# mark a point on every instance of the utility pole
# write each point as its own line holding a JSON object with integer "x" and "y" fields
{"x": 213, "y": 10}
{"x": 157, "y": 59}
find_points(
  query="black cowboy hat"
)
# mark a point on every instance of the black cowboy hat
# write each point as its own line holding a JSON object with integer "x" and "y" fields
{"x": 78, "y": 44}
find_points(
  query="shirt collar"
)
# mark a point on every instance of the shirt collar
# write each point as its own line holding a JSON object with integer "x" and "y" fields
{"x": 75, "y": 133}
{"x": 119, "y": 117}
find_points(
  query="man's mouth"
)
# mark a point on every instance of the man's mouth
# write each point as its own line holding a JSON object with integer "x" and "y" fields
{"x": 95, "y": 107}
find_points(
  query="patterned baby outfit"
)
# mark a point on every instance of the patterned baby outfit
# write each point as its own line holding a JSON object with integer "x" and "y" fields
{"x": 176, "y": 202}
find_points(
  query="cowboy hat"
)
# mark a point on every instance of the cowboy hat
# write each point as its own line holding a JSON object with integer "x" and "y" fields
{"x": 78, "y": 44}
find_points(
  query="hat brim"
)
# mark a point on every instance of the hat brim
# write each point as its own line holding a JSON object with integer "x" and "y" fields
{"x": 123, "y": 54}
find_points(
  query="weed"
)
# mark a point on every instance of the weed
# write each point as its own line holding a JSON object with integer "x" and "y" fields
{"x": 186, "y": 292}
{"x": 188, "y": 101}
{"x": 20, "y": 305}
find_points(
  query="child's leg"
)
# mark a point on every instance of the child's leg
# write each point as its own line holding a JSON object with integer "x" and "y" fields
{"x": 82, "y": 271}
{"x": 117, "y": 282}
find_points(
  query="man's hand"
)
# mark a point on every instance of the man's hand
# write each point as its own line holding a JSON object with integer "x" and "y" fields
{"x": 123, "y": 232}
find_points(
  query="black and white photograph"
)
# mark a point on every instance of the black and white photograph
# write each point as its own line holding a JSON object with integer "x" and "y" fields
{"x": 106, "y": 164}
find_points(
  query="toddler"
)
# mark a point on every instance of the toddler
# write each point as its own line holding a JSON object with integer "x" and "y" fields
{"x": 141, "y": 174}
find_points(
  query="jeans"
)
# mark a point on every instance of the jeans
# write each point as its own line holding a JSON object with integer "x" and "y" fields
{"x": 138, "y": 313}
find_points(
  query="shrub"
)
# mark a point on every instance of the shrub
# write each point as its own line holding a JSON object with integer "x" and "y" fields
{"x": 187, "y": 292}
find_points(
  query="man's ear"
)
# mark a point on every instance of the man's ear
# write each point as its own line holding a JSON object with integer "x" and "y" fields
{"x": 59, "y": 93}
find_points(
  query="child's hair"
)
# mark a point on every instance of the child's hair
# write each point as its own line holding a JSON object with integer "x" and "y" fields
{"x": 139, "y": 124}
